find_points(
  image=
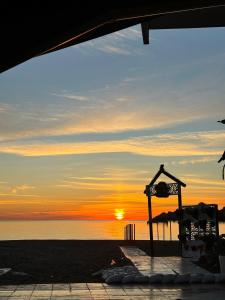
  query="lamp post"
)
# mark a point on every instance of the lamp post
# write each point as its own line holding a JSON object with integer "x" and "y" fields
{"x": 162, "y": 190}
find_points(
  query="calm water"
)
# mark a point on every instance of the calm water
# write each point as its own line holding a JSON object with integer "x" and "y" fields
{"x": 18, "y": 230}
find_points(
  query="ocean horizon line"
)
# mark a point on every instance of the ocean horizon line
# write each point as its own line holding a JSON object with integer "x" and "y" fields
{"x": 83, "y": 220}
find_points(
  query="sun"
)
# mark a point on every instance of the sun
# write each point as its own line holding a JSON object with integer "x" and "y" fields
{"x": 119, "y": 214}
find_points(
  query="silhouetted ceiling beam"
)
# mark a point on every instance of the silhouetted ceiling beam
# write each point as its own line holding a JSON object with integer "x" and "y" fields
{"x": 145, "y": 32}
{"x": 198, "y": 18}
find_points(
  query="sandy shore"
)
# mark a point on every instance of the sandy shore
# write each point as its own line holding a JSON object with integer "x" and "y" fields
{"x": 48, "y": 261}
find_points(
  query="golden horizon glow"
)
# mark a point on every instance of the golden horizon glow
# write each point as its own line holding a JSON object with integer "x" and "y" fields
{"x": 134, "y": 203}
{"x": 119, "y": 214}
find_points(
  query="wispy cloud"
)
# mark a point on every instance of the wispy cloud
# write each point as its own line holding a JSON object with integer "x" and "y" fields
{"x": 118, "y": 43}
{"x": 4, "y": 107}
{"x": 205, "y": 182}
{"x": 113, "y": 50}
{"x": 13, "y": 195}
{"x": 130, "y": 103}
{"x": 22, "y": 187}
{"x": 184, "y": 144}
{"x": 22, "y": 190}
{"x": 70, "y": 96}
{"x": 112, "y": 176}
{"x": 121, "y": 187}
{"x": 194, "y": 161}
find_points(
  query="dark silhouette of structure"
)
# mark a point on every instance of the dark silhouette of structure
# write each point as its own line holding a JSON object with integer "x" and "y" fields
{"x": 174, "y": 215}
{"x": 129, "y": 232}
{"x": 32, "y": 28}
{"x": 223, "y": 156}
{"x": 162, "y": 190}
{"x": 222, "y": 121}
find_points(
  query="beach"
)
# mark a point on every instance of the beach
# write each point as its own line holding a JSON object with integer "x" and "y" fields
{"x": 53, "y": 261}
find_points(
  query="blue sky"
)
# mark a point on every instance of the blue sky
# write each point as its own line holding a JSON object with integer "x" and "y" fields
{"x": 89, "y": 125}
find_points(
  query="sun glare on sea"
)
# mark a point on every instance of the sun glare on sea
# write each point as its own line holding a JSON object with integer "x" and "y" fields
{"x": 119, "y": 214}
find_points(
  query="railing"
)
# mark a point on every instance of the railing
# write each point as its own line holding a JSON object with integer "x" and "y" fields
{"x": 129, "y": 232}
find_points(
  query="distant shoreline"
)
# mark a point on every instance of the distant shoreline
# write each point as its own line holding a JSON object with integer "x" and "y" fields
{"x": 56, "y": 220}
{"x": 173, "y": 216}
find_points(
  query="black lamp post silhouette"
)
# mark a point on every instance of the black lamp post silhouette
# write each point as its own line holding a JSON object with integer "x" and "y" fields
{"x": 162, "y": 190}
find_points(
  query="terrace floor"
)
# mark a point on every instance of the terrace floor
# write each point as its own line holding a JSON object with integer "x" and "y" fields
{"x": 103, "y": 291}
{"x": 165, "y": 265}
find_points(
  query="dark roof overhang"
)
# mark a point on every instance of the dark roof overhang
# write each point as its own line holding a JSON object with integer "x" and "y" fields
{"x": 30, "y": 29}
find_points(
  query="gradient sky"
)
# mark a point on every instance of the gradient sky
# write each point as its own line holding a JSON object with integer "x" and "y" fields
{"x": 83, "y": 130}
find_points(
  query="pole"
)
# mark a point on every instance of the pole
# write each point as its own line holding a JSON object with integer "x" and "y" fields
{"x": 217, "y": 223}
{"x": 157, "y": 229}
{"x": 163, "y": 231}
{"x": 180, "y": 217}
{"x": 150, "y": 223}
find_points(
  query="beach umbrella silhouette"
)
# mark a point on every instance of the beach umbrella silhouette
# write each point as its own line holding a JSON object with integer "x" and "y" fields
{"x": 222, "y": 121}
{"x": 222, "y": 158}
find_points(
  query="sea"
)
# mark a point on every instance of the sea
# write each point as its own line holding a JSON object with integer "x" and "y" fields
{"x": 86, "y": 230}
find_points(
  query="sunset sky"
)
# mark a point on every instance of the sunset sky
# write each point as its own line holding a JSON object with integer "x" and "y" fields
{"x": 83, "y": 130}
